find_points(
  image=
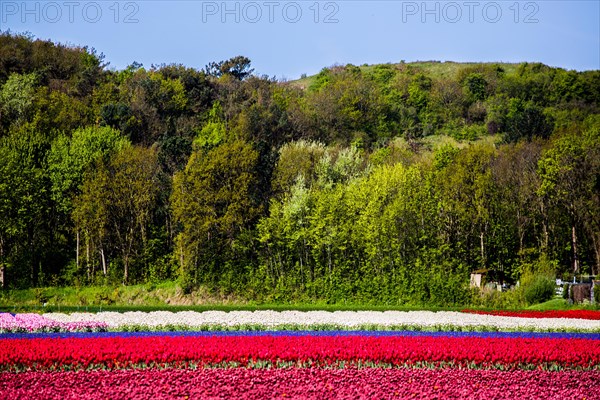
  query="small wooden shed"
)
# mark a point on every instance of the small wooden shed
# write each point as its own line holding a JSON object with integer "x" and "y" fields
{"x": 478, "y": 278}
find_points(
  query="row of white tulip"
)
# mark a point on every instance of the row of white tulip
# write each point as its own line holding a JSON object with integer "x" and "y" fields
{"x": 346, "y": 319}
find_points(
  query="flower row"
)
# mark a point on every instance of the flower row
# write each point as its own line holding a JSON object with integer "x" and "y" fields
{"x": 572, "y": 314}
{"x": 349, "y": 319}
{"x": 297, "y": 332}
{"x": 302, "y": 383}
{"x": 304, "y": 350}
{"x": 39, "y": 323}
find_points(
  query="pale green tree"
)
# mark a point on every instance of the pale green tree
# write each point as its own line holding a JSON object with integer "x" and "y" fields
{"x": 115, "y": 207}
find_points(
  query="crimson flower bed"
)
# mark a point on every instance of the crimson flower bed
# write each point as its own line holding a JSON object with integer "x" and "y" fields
{"x": 302, "y": 383}
{"x": 577, "y": 314}
{"x": 298, "y": 350}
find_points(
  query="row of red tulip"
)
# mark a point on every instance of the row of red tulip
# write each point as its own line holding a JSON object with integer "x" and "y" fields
{"x": 576, "y": 314}
{"x": 305, "y": 383}
{"x": 111, "y": 352}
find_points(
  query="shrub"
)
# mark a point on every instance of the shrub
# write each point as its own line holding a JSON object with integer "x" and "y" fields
{"x": 540, "y": 289}
{"x": 538, "y": 279}
{"x": 511, "y": 299}
{"x": 41, "y": 296}
{"x": 565, "y": 293}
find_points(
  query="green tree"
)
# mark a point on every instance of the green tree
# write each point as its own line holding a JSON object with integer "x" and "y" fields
{"x": 284, "y": 233}
{"x": 297, "y": 160}
{"x": 517, "y": 210}
{"x": 476, "y": 86}
{"x": 567, "y": 86}
{"x": 167, "y": 95}
{"x": 196, "y": 84}
{"x": 569, "y": 173}
{"x": 90, "y": 217}
{"x": 465, "y": 187}
{"x": 525, "y": 120}
{"x": 116, "y": 205}
{"x": 55, "y": 113}
{"x": 156, "y": 104}
{"x": 134, "y": 185}
{"x": 70, "y": 157}
{"x": 346, "y": 108}
{"x": 418, "y": 91}
{"x": 238, "y": 67}
{"x": 23, "y": 207}
{"x": 214, "y": 131}
{"x": 16, "y": 98}
{"x": 213, "y": 200}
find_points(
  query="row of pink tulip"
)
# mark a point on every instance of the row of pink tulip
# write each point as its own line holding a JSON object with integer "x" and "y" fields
{"x": 38, "y": 323}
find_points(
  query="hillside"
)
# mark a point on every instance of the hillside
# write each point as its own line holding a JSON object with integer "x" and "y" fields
{"x": 384, "y": 184}
{"x": 435, "y": 69}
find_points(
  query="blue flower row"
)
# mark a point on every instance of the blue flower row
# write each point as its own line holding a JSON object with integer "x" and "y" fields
{"x": 550, "y": 335}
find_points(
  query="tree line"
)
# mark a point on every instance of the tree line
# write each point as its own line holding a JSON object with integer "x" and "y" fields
{"x": 386, "y": 183}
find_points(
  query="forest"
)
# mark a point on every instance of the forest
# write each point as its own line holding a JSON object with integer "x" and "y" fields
{"x": 382, "y": 183}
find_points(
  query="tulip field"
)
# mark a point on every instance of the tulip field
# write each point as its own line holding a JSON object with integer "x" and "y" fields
{"x": 293, "y": 354}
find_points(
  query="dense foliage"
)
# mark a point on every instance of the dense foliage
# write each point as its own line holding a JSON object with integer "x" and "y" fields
{"x": 385, "y": 184}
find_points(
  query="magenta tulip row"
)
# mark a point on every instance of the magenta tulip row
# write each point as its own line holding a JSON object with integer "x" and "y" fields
{"x": 301, "y": 383}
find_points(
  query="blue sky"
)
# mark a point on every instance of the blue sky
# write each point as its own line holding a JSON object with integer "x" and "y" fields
{"x": 288, "y": 38}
